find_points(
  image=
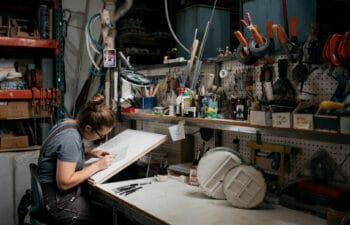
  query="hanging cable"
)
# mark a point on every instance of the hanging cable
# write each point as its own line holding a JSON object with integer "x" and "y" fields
{"x": 94, "y": 41}
{"x": 96, "y": 74}
{"x": 171, "y": 29}
{"x": 89, "y": 50}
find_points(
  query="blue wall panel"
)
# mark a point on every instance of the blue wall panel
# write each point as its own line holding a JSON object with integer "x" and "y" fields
{"x": 188, "y": 19}
{"x": 263, "y": 10}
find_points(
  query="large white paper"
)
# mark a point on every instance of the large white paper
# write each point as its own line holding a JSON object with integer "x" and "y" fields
{"x": 128, "y": 146}
{"x": 119, "y": 153}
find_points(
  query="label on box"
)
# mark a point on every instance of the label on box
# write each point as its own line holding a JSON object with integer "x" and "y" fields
{"x": 281, "y": 119}
{"x": 303, "y": 121}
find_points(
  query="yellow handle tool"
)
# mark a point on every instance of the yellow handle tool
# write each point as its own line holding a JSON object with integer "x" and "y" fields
{"x": 331, "y": 105}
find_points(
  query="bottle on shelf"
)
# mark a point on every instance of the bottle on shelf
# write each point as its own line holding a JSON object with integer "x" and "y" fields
{"x": 179, "y": 102}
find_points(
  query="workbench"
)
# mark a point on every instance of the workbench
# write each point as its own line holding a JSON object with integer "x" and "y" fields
{"x": 175, "y": 202}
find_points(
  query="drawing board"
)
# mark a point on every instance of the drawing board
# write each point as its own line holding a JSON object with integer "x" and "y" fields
{"x": 128, "y": 146}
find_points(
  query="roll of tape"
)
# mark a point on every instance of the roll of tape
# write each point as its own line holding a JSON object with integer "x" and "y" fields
{"x": 223, "y": 73}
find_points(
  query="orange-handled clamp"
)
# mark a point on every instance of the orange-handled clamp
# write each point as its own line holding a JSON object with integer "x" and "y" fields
{"x": 293, "y": 26}
{"x": 269, "y": 25}
{"x": 258, "y": 38}
{"x": 241, "y": 38}
{"x": 282, "y": 37}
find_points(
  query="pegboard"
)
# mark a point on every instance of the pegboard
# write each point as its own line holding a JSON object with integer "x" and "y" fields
{"x": 320, "y": 84}
{"x": 305, "y": 150}
{"x": 243, "y": 81}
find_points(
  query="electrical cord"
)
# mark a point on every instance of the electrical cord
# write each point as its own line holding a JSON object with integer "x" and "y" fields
{"x": 95, "y": 42}
{"x": 171, "y": 29}
{"x": 88, "y": 44}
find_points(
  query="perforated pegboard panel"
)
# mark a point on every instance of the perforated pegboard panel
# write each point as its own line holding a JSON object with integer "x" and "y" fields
{"x": 242, "y": 81}
{"x": 305, "y": 149}
{"x": 319, "y": 85}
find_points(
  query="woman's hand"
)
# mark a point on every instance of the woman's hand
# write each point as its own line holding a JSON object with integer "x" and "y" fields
{"x": 99, "y": 153}
{"x": 105, "y": 161}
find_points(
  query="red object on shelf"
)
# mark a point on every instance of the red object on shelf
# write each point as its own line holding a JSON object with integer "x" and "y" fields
{"x": 129, "y": 110}
{"x": 30, "y": 43}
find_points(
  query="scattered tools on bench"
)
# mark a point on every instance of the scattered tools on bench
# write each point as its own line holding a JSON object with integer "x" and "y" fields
{"x": 130, "y": 188}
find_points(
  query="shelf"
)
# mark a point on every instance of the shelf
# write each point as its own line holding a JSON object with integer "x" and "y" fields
{"x": 30, "y": 148}
{"x": 23, "y": 94}
{"x": 43, "y": 116}
{"x": 30, "y": 43}
{"x": 244, "y": 127}
{"x": 26, "y": 6}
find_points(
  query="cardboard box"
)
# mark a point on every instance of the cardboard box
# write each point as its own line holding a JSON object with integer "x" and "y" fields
{"x": 20, "y": 109}
{"x": 281, "y": 119}
{"x": 345, "y": 124}
{"x": 11, "y": 141}
{"x": 17, "y": 109}
{"x": 3, "y": 111}
{"x": 261, "y": 118}
{"x": 302, "y": 120}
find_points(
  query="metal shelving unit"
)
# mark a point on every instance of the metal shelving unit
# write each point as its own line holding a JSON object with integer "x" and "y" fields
{"x": 29, "y": 43}
{"x": 32, "y": 47}
{"x": 60, "y": 71}
{"x": 56, "y": 45}
{"x": 23, "y": 94}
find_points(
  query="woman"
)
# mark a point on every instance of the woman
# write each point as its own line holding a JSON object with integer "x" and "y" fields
{"x": 61, "y": 165}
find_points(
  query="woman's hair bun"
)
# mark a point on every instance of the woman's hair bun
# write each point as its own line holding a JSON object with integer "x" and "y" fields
{"x": 96, "y": 102}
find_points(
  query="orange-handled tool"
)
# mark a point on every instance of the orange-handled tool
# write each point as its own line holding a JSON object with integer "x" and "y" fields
{"x": 293, "y": 26}
{"x": 281, "y": 35}
{"x": 241, "y": 38}
{"x": 258, "y": 38}
{"x": 269, "y": 25}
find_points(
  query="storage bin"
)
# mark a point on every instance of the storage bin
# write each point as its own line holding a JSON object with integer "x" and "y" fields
{"x": 301, "y": 119}
{"x": 262, "y": 118}
{"x": 326, "y": 122}
{"x": 345, "y": 124}
{"x": 281, "y": 119}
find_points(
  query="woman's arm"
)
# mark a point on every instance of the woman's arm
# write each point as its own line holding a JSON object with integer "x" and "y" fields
{"x": 67, "y": 177}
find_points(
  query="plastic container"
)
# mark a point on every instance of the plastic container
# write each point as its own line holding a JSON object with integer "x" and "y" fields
{"x": 148, "y": 102}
